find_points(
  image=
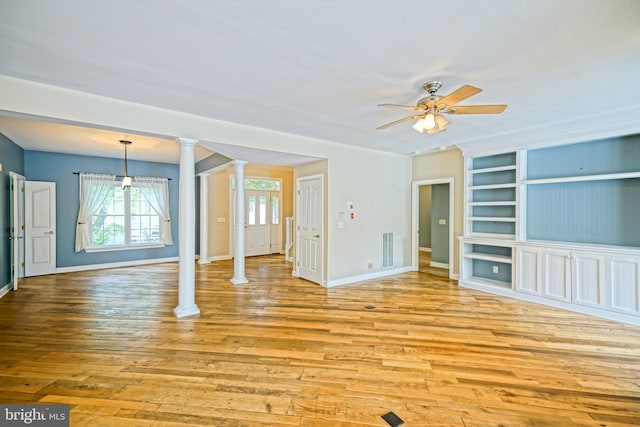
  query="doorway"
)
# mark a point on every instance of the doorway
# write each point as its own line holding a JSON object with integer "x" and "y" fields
{"x": 432, "y": 230}
{"x": 263, "y": 215}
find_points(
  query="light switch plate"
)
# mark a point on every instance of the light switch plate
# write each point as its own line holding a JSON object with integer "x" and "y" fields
{"x": 442, "y": 221}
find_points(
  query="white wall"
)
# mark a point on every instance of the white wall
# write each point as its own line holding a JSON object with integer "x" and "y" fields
{"x": 379, "y": 185}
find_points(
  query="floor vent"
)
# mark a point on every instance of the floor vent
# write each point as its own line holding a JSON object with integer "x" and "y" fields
{"x": 392, "y": 419}
{"x": 387, "y": 249}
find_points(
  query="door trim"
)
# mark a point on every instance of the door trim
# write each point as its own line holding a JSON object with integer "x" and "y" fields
{"x": 16, "y": 232}
{"x": 415, "y": 218}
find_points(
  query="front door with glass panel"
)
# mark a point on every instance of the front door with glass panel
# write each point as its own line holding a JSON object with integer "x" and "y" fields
{"x": 257, "y": 223}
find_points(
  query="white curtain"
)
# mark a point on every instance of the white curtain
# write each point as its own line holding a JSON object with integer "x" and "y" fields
{"x": 156, "y": 191}
{"x": 94, "y": 189}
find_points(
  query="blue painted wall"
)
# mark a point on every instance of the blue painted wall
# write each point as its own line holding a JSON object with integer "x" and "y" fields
{"x": 599, "y": 212}
{"x": 12, "y": 159}
{"x": 424, "y": 221}
{"x": 59, "y": 168}
{"x": 440, "y": 233}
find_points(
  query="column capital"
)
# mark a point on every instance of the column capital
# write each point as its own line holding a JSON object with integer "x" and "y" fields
{"x": 239, "y": 162}
{"x": 187, "y": 141}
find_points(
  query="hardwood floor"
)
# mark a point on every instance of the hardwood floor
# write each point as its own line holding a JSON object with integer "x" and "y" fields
{"x": 424, "y": 265}
{"x": 285, "y": 352}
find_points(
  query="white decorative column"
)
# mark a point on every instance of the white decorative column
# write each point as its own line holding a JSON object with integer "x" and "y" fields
{"x": 238, "y": 256}
{"x": 204, "y": 219}
{"x": 187, "y": 231}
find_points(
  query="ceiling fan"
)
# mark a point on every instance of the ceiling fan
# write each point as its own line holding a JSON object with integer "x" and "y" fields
{"x": 429, "y": 109}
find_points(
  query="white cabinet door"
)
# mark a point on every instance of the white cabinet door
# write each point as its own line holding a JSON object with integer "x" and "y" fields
{"x": 556, "y": 275}
{"x": 528, "y": 271}
{"x": 623, "y": 284}
{"x": 544, "y": 272}
{"x": 588, "y": 279}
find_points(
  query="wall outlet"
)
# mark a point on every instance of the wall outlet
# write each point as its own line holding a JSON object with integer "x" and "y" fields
{"x": 495, "y": 269}
{"x": 370, "y": 264}
{"x": 442, "y": 221}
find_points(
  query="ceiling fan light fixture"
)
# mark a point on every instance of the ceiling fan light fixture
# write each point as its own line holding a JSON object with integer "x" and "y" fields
{"x": 441, "y": 122}
{"x": 419, "y": 125}
{"x": 429, "y": 121}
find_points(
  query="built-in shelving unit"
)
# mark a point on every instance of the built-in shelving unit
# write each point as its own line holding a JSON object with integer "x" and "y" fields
{"x": 491, "y": 196}
{"x": 557, "y": 225}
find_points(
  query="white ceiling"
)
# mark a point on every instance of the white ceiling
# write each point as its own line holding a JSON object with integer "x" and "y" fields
{"x": 318, "y": 68}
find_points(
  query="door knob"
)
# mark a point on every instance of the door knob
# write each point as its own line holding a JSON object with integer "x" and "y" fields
{"x": 317, "y": 236}
{"x": 50, "y": 232}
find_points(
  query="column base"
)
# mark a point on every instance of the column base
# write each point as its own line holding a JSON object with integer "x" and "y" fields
{"x": 204, "y": 261}
{"x": 239, "y": 281}
{"x": 186, "y": 311}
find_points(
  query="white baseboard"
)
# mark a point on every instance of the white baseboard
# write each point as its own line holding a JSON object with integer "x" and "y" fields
{"x": 220, "y": 258}
{"x": 5, "y": 289}
{"x": 618, "y": 317}
{"x": 368, "y": 276}
{"x": 114, "y": 265}
{"x": 425, "y": 249}
{"x": 438, "y": 265}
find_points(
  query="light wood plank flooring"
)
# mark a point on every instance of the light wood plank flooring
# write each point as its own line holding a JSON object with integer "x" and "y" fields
{"x": 281, "y": 351}
{"x": 424, "y": 265}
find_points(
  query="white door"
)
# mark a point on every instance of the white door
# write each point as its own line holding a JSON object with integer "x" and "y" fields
{"x": 257, "y": 233}
{"x": 309, "y": 224}
{"x": 17, "y": 228}
{"x": 40, "y": 228}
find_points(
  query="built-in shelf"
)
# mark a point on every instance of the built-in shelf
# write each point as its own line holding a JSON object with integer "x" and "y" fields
{"x": 489, "y": 257}
{"x": 490, "y": 282}
{"x": 492, "y": 235}
{"x": 583, "y": 178}
{"x": 492, "y": 218}
{"x": 497, "y": 203}
{"x": 557, "y": 225}
{"x": 492, "y": 186}
{"x": 495, "y": 169}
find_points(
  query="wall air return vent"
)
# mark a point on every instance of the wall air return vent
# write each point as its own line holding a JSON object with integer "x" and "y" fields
{"x": 387, "y": 249}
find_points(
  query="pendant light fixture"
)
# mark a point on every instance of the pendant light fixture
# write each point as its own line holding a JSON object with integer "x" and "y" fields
{"x": 126, "y": 179}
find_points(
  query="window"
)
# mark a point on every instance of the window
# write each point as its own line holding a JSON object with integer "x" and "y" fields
{"x": 258, "y": 184}
{"x": 112, "y": 218}
{"x": 125, "y": 218}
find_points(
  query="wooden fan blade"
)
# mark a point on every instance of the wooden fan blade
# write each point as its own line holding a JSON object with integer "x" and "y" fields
{"x": 459, "y": 94}
{"x": 405, "y": 119}
{"x": 478, "y": 109}
{"x": 405, "y": 107}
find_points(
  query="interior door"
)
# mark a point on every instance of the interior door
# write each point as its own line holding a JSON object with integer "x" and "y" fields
{"x": 40, "y": 228}
{"x": 310, "y": 218}
{"x": 17, "y": 227}
{"x": 257, "y": 231}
